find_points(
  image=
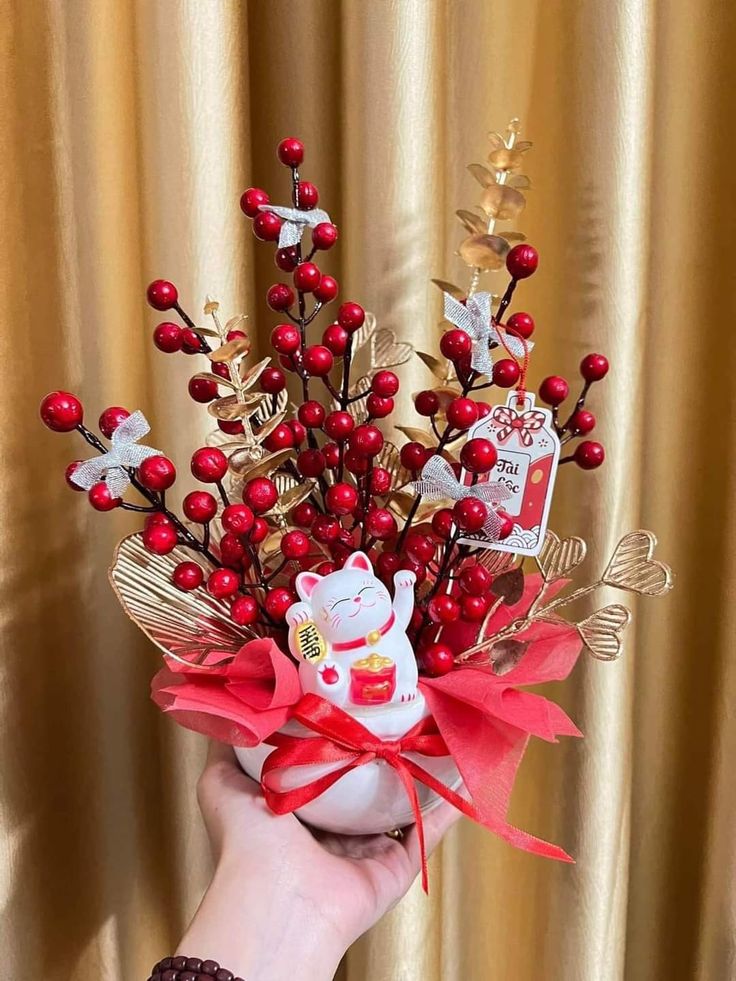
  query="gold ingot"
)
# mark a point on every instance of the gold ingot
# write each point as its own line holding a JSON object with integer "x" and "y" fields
{"x": 374, "y": 662}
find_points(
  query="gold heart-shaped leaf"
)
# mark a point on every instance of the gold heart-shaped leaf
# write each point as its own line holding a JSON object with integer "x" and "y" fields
{"x": 601, "y": 631}
{"x": 390, "y": 459}
{"x": 364, "y": 333}
{"x": 387, "y": 352}
{"x": 633, "y": 568}
{"x": 506, "y": 654}
{"x": 495, "y": 562}
{"x": 509, "y": 585}
{"x": 559, "y": 556}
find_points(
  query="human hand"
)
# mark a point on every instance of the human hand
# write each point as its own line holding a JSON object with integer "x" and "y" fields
{"x": 285, "y": 901}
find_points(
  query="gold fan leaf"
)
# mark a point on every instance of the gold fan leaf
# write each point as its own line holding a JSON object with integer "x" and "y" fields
{"x": 418, "y": 435}
{"x": 501, "y": 202}
{"x": 486, "y": 252}
{"x": 252, "y": 375}
{"x": 266, "y": 411}
{"x": 232, "y": 407}
{"x": 230, "y": 350}
{"x": 208, "y": 376}
{"x": 472, "y": 223}
{"x": 505, "y": 159}
{"x": 601, "y": 631}
{"x": 495, "y": 562}
{"x": 290, "y": 498}
{"x": 633, "y": 568}
{"x": 560, "y": 556}
{"x": 482, "y": 174}
{"x": 390, "y": 459}
{"x": 188, "y": 626}
{"x": 387, "y": 352}
{"x": 356, "y": 408}
{"x": 449, "y": 288}
{"x": 268, "y": 427}
{"x": 284, "y": 482}
{"x": 247, "y": 469}
{"x": 364, "y": 333}
{"x": 437, "y": 367}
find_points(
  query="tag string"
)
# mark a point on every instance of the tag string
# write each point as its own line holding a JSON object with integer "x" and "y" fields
{"x": 523, "y": 367}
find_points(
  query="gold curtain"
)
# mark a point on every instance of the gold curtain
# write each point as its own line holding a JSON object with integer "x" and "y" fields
{"x": 128, "y": 129}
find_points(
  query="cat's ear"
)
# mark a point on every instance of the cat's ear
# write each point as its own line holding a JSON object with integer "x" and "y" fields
{"x": 359, "y": 560}
{"x": 305, "y": 583}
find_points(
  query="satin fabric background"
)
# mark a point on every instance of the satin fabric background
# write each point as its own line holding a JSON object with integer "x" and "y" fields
{"x": 129, "y": 129}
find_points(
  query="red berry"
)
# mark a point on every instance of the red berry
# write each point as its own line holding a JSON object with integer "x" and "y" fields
{"x": 520, "y": 325}
{"x": 324, "y": 235}
{"x": 427, "y": 403}
{"x": 317, "y": 360}
{"x": 341, "y": 499}
{"x": 200, "y": 506}
{"x": 351, "y": 316}
{"x": 69, "y": 473}
{"x": 307, "y": 196}
{"x": 294, "y": 545}
{"x": 188, "y": 576}
{"x": 325, "y": 568}
{"x": 506, "y": 373}
{"x": 327, "y": 289}
{"x": 111, "y": 419}
{"x": 455, "y": 345}
{"x": 306, "y": 277}
{"x": 231, "y": 427}
{"x": 61, "y": 411}
{"x": 470, "y": 514}
{"x": 101, "y": 499}
{"x": 267, "y": 226}
{"x": 357, "y": 463}
{"x": 237, "y": 518}
{"x": 385, "y": 384}
{"x": 285, "y": 339}
{"x": 589, "y": 455}
{"x": 277, "y": 602}
{"x": 311, "y": 414}
{"x": 379, "y": 408}
{"x": 232, "y": 550}
{"x": 157, "y": 473}
{"x": 474, "y": 608}
{"x": 331, "y": 452}
{"x": 251, "y": 200}
{"x": 162, "y": 295}
{"x": 260, "y": 494}
{"x": 335, "y": 339}
{"x": 462, "y": 413}
{"x": 202, "y": 389}
{"x": 244, "y": 611}
{"x": 381, "y": 524}
{"x": 280, "y": 296}
{"x": 507, "y": 525}
{"x": 259, "y": 531}
{"x": 380, "y": 482}
{"x": 366, "y": 440}
{"x": 554, "y": 390}
{"x": 273, "y": 381}
{"x": 304, "y": 514}
{"x": 286, "y": 259}
{"x": 387, "y": 564}
{"x": 593, "y": 367}
{"x": 483, "y": 409}
{"x": 311, "y": 463}
{"x": 325, "y": 528}
{"x": 522, "y": 261}
{"x": 582, "y": 422}
{"x": 160, "y": 539}
{"x": 475, "y": 579}
{"x": 478, "y": 455}
{"x": 338, "y": 425}
{"x": 418, "y": 568}
{"x": 223, "y": 583}
{"x": 220, "y": 368}
{"x": 280, "y": 438}
{"x": 413, "y": 456}
{"x": 168, "y": 338}
{"x": 209, "y": 464}
{"x": 191, "y": 342}
{"x": 437, "y": 660}
{"x": 419, "y": 547}
{"x": 291, "y": 152}
{"x": 443, "y": 609}
{"x": 442, "y": 522}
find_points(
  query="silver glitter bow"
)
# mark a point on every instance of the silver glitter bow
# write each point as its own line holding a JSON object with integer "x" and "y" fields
{"x": 439, "y": 482}
{"x": 474, "y": 317}
{"x": 124, "y": 452}
{"x": 295, "y": 221}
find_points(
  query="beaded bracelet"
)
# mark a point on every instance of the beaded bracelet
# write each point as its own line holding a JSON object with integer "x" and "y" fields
{"x": 190, "y": 969}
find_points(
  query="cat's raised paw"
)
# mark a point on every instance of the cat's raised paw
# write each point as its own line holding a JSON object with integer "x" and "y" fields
{"x": 404, "y": 579}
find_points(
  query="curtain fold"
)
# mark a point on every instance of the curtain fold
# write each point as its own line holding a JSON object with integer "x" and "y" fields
{"x": 129, "y": 129}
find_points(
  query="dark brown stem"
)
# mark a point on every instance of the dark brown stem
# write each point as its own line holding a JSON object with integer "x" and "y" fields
{"x": 192, "y": 326}
{"x": 506, "y": 299}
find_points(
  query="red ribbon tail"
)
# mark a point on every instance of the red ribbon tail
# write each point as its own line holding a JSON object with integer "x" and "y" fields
{"x": 411, "y": 793}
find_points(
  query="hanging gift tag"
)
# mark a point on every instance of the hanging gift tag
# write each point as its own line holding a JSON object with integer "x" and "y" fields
{"x": 528, "y": 452}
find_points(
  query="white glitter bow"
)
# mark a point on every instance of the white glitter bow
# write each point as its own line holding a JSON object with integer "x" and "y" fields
{"x": 439, "y": 482}
{"x": 124, "y": 452}
{"x": 295, "y": 221}
{"x": 474, "y": 317}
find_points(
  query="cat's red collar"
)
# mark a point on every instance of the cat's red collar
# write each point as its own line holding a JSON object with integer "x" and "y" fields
{"x": 372, "y": 637}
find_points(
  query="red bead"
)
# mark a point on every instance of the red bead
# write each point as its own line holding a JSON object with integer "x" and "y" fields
{"x": 267, "y": 226}
{"x": 589, "y": 455}
{"x": 101, "y": 499}
{"x": 324, "y": 235}
{"x": 413, "y": 456}
{"x": 554, "y": 390}
{"x": 462, "y": 413}
{"x": 311, "y": 414}
{"x": 506, "y": 373}
{"x": 385, "y": 384}
{"x": 379, "y": 408}
{"x": 237, "y": 518}
{"x": 521, "y": 325}
{"x": 366, "y": 440}
{"x": 381, "y": 524}
{"x": 202, "y": 389}
{"x": 507, "y": 525}
{"x": 188, "y": 576}
{"x": 522, "y": 261}
{"x": 111, "y": 418}
{"x": 455, "y": 345}
{"x": 291, "y": 152}
{"x": 317, "y": 360}
{"x": 259, "y": 531}
{"x": 427, "y": 403}
{"x": 387, "y": 564}
{"x": 298, "y": 432}
{"x": 306, "y": 277}
{"x": 272, "y": 381}
{"x": 295, "y": 545}
{"x": 160, "y": 539}
{"x": 442, "y": 522}
{"x": 311, "y": 463}
{"x": 307, "y": 196}
{"x": 443, "y": 609}
{"x": 341, "y": 499}
{"x": 582, "y": 422}
{"x": 285, "y": 339}
{"x": 380, "y": 482}
{"x": 338, "y": 425}
{"x": 209, "y": 464}
{"x": 280, "y": 296}
{"x": 200, "y": 506}
{"x": 286, "y": 259}
{"x": 475, "y": 579}
{"x": 162, "y": 295}
{"x": 244, "y": 612}
{"x": 157, "y": 473}
{"x": 593, "y": 367}
{"x": 251, "y": 200}
{"x": 223, "y": 583}
{"x": 325, "y": 528}
{"x": 61, "y": 411}
{"x": 232, "y": 550}
{"x": 470, "y": 514}
{"x": 357, "y": 463}
{"x": 168, "y": 338}
{"x": 473, "y": 608}
{"x": 260, "y": 494}
{"x": 304, "y": 514}
{"x": 191, "y": 342}
{"x": 419, "y": 547}
{"x": 327, "y": 289}
{"x": 437, "y": 660}
{"x": 478, "y": 455}
{"x": 331, "y": 453}
{"x": 351, "y": 316}
{"x": 335, "y": 339}
{"x": 280, "y": 438}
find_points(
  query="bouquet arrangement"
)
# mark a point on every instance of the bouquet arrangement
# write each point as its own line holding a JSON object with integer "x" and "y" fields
{"x": 357, "y": 618}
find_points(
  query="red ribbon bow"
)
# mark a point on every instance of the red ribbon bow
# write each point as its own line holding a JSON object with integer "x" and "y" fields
{"x": 341, "y": 739}
{"x": 523, "y": 424}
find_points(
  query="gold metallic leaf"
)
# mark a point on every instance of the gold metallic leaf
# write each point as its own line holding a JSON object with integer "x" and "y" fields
{"x": 482, "y": 174}
{"x": 252, "y": 375}
{"x": 264, "y": 467}
{"x": 231, "y": 407}
{"x": 560, "y": 556}
{"x": 484, "y": 252}
{"x": 387, "y": 352}
{"x": 445, "y": 394}
{"x": 418, "y": 435}
{"x": 494, "y": 562}
{"x": 390, "y": 459}
{"x": 472, "y": 223}
{"x": 230, "y": 350}
{"x": 523, "y": 145}
{"x": 507, "y": 653}
{"x": 519, "y": 181}
{"x": 497, "y": 141}
{"x": 211, "y": 306}
{"x": 633, "y": 568}
{"x": 437, "y": 367}
{"x": 357, "y": 408}
{"x": 505, "y": 159}
{"x": 236, "y": 323}
{"x": 513, "y": 236}
{"x": 364, "y": 333}
{"x": 501, "y": 202}
{"x": 509, "y": 585}
{"x": 450, "y": 288}
{"x": 295, "y": 495}
{"x": 401, "y": 503}
{"x": 601, "y": 631}
{"x": 268, "y": 427}
{"x": 208, "y": 376}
